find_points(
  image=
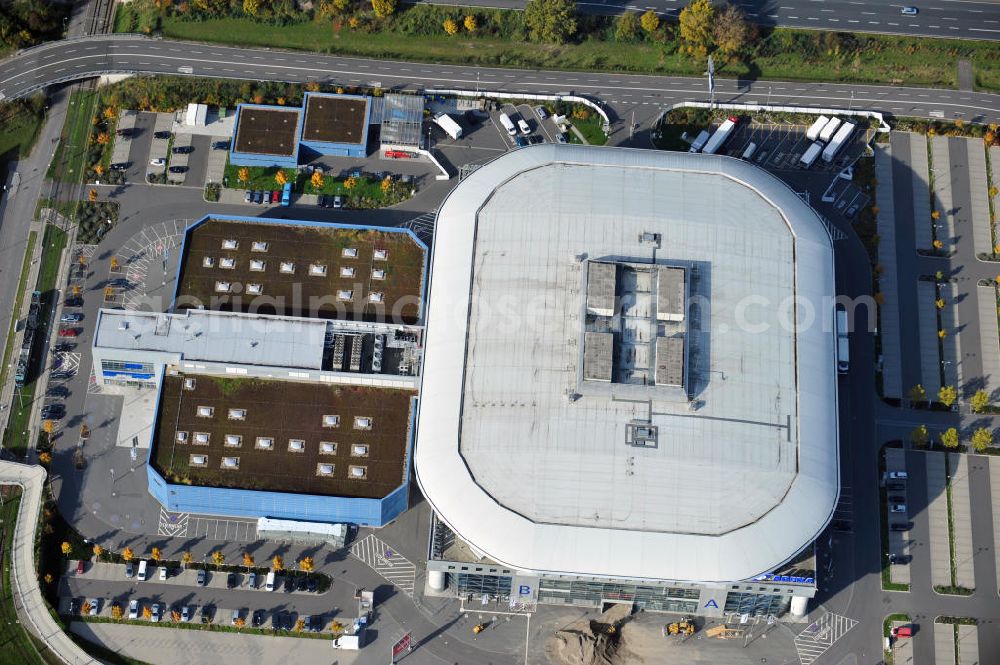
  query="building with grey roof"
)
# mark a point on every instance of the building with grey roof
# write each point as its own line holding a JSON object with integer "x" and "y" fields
{"x": 684, "y": 478}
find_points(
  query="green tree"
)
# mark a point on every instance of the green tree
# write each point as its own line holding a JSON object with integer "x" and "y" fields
{"x": 650, "y": 22}
{"x": 980, "y": 400}
{"x": 949, "y": 438}
{"x": 917, "y": 393}
{"x": 550, "y": 20}
{"x": 696, "y": 22}
{"x": 947, "y": 395}
{"x": 383, "y": 8}
{"x": 733, "y": 34}
{"x": 627, "y": 27}
{"x": 982, "y": 439}
{"x": 919, "y": 436}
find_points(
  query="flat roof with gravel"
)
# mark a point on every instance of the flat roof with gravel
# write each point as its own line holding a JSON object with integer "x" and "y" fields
{"x": 286, "y": 436}
{"x": 335, "y": 119}
{"x": 267, "y": 130}
{"x": 312, "y": 270}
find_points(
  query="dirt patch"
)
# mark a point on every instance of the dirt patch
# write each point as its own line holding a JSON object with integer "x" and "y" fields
{"x": 598, "y": 641}
{"x": 282, "y": 411}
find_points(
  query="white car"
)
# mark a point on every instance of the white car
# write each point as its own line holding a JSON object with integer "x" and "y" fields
{"x": 897, "y": 508}
{"x": 898, "y": 475}
{"x": 159, "y": 161}
{"x": 95, "y": 606}
{"x": 133, "y": 609}
{"x": 155, "y": 617}
{"x": 542, "y": 113}
{"x": 186, "y": 613}
{"x": 909, "y": 11}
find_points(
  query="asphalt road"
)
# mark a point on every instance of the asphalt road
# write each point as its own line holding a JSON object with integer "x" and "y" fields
{"x": 941, "y": 18}
{"x": 622, "y": 94}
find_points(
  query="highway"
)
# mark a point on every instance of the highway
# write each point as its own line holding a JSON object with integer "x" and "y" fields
{"x": 941, "y": 18}
{"x": 622, "y": 92}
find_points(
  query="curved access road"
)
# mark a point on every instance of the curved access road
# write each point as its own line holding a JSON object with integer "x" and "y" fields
{"x": 961, "y": 19}
{"x": 87, "y": 57}
{"x": 31, "y": 480}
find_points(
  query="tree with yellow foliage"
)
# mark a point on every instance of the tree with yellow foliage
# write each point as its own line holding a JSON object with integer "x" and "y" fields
{"x": 316, "y": 180}
{"x": 696, "y": 22}
{"x": 450, "y": 26}
{"x": 278, "y": 563}
{"x": 92, "y": 195}
{"x": 280, "y": 177}
{"x": 127, "y": 554}
{"x": 244, "y": 175}
{"x": 650, "y": 22}
{"x": 66, "y": 547}
{"x": 470, "y": 23}
{"x": 45, "y": 458}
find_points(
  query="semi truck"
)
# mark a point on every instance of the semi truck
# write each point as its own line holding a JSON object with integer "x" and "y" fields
{"x": 828, "y": 130}
{"x": 809, "y": 157}
{"x": 720, "y": 136}
{"x": 843, "y": 346}
{"x": 838, "y": 141}
{"x": 813, "y": 132}
{"x": 508, "y": 124}
{"x": 450, "y": 127}
{"x": 699, "y": 141}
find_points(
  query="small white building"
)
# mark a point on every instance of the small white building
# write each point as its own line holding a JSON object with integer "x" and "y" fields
{"x": 197, "y": 115}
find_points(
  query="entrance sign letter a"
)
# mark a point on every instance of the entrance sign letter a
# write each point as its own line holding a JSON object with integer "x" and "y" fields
{"x": 712, "y": 603}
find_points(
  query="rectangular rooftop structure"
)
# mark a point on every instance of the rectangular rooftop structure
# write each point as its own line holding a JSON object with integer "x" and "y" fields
{"x": 200, "y": 335}
{"x": 670, "y": 361}
{"x": 267, "y": 130}
{"x": 600, "y": 288}
{"x": 597, "y": 356}
{"x": 670, "y": 294}
{"x": 335, "y": 119}
{"x": 284, "y": 411}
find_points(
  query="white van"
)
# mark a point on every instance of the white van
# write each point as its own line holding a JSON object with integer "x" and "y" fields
{"x": 142, "y": 571}
{"x": 269, "y": 583}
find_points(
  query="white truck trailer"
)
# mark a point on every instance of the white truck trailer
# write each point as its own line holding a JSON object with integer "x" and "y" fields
{"x": 838, "y": 141}
{"x": 828, "y": 130}
{"x": 813, "y": 132}
{"x": 843, "y": 341}
{"x": 720, "y": 136}
{"x": 811, "y": 154}
{"x": 700, "y": 141}
{"x": 451, "y": 128}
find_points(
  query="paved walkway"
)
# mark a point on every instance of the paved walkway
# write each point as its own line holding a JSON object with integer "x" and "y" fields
{"x": 32, "y": 606}
{"x": 944, "y": 644}
{"x": 921, "y": 191}
{"x": 943, "y": 199}
{"x": 930, "y": 358}
{"x": 989, "y": 334}
{"x": 937, "y": 512}
{"x": 892, "y": 377}
{"x": 958, "y": 467}
{"x": 994, "y": 464}
{"x": 982, "y": 227}
{"x": 968, "y": 646}
{"x": 951, "y": 346}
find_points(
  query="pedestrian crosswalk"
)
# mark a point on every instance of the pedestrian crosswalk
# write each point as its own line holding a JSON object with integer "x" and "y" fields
{"x": 387, "y": 562}
{"x": 820, "y": 635}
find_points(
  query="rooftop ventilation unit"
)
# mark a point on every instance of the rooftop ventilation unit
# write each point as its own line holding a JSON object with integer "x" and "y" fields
{"x": 327, "y": 447}
{"x": 258, "y": 246}
{"x": 227, "y": 263}
{"x": 198, "y": 460}
{"x": 255, "y": 288}
{"x": 349, "y": 253}
{"x": 317, "y": 269}
{"x": 182, "y": 437}
{"x": 378, "y": 274}
{"x": 201, "y": 438}
{"x": 189, "y": 383}
{"x": 206, "y": 411}
{"x": 324, "y": 469}
{"x": 237, "y": 414}
{"x": 359, "y": 472}
{"x": 345, "y": 294}
{"x": 230, "y": 243}
{"x": 362, "y": 422}
{"x": 296, "y": 445}
{"x": 381, "y": 255}
{"x": 347, "y": 271}
{"x": 234, "y": 440}
{"x": 376, "y": 296}
{"x": 265, "y": 442}
{"x": 331, "y": 421}
{"x": 208, "y": 262}
{"x": 286, "y": 267}
{"x": 359, "y": 450}
{"x": 230, "y": 462}
{"x": 257, "y": 265}
{"x": 223, "y": 287}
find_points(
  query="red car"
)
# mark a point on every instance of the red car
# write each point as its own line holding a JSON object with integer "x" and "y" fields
{"x": 79, "y": 567}
{"x": 275, "y": 196}
{"x": 69, "y": 332}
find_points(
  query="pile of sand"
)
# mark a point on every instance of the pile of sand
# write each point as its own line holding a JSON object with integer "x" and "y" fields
{"x": 589, "y": 642}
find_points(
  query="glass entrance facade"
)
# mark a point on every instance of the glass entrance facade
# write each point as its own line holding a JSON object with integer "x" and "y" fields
{"x": 594, "y": 593}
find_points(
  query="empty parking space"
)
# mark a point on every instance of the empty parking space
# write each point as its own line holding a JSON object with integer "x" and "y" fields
{"x": 937, "y": 515}
{"x": 197, "y": 162}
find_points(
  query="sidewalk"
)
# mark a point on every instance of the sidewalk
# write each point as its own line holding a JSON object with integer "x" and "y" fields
{"x": 28, "y": 595}
{"x": 892, "y": 377}
{"x": 961, "y": 518}
{"x": 937, "y": 513}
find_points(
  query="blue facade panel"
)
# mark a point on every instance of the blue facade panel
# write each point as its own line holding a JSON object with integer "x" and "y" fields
{"x": 256, "y": 503}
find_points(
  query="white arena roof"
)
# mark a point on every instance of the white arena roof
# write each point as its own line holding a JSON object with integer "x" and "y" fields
{"x": 529, "y": 463}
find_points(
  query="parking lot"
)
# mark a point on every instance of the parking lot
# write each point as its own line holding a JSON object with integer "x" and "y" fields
{"x": 294, "y": 597}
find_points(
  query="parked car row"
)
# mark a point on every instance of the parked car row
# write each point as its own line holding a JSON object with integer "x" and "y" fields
{"x": 280, "y": 619}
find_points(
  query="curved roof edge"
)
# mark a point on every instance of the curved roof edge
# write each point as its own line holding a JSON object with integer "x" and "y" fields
{"x": 515, "y": 541}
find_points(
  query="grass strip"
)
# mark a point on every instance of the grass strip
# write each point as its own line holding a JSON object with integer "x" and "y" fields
{"x": 17, "y": 436}
{"x": 18, "y": 302}
{"x": 69, "y": 162}
{"x": 781, "y": 54}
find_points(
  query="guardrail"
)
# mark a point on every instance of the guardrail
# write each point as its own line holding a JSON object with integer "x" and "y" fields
{"x": 116, "y": 36}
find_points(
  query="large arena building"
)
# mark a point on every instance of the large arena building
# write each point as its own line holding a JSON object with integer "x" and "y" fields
{"x": 629, "y": 387}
